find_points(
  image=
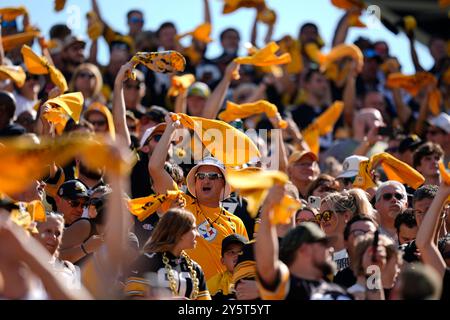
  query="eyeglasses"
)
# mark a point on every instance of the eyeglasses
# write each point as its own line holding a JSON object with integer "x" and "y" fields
{"x": 77, "y": 203}
{"x": 359, "y": 232}
{"x": 388, "y": 196}
{"x": 98, "y": 123}
{"x": 210, "y": 175}
{"x": 86, "y": 75}
{"x": 324, "y": 216}
{"x": 157, "y": 137}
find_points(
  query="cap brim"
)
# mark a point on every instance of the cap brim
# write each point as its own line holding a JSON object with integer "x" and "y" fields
{"x": 299, "y": 155}
{"x": 348, "y": 174}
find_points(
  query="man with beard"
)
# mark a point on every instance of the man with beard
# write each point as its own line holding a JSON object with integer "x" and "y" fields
{"x": 391, "y": 200}
{"x": 305, "y": 260}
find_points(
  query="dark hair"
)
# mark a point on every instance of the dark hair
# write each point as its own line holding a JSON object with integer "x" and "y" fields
{"x": 133, "y": 11}
{"x": 356, "y": 218}
{"x": 310, "y": 73}
{"x": 424, "y": 150}
{"x": 427, "y": 191}
{"x": 407, "y": 218}
{"x": 164, "y": 25}
{"x": 7, "y": 104}
{"x": 59, "y": 31}
{"x": 222, "y": 34}
{"x": 307, "y": 25}
{"x": 175, "y": 172}
{"x": 322, "y": 179}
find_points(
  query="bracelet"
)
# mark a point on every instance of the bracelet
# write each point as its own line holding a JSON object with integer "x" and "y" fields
{"x": 84, "y": 249}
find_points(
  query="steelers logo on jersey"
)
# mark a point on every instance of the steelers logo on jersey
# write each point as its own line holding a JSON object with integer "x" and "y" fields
{"x": 206, "y": 231}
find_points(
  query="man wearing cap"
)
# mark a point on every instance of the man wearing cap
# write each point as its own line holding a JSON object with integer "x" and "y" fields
{"x": 439, "y": 132}
{"x": 72, "y": 55}
{"x": 350, "y": 171}
{"x": 71, "y": 199}
{"x": 302, "y": 170}
{"x": 207, "y": 187}
{"x": 305, "y": 259}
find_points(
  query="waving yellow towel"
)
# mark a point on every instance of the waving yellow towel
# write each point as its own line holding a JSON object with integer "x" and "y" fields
{"x": 228, "y": 144}
{"x": 265, "y": 57}
{"x": 180, "y": 84}
{"x": 163, "y": 62}
{"x": 40, "y": 65}
{"x": 11, "y": 13}
{"x": 230, "y": 6}
{"x": 238, "y": 111}
{"x": 63, "y": 107}
{"x": 18, "y": 39}
{"x": 394, "y": 169}
{"x": 254, "y": 185}
{"x": 202, "y": 33}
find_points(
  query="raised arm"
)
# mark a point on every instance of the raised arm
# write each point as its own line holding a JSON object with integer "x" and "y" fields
{"x": 425, "y": 236}
{"x": 403, "y": 111}
{"x": 93, "y": 50}
{"x": 119, "y": 109}
{"x": 266, "y": 246}
{"x": 349, "y": 95}
{"x": 215, "y": 101}
{"x": 254, "y": 33}
{"x": 207, "y": 11}
{"x": 423, "y": 112}
{"x": 2, "y": 51}
{"x": 162, "y": 181}
{"x": 341, "y": 30}
{"x": 412, "y": 48}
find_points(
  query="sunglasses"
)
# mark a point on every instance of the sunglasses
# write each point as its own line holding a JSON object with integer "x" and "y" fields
{"x": 210, "y": 175}
{"x": 136, "y": 20}
{"x": 324, "y": 216}
{"x": 34, "y": 77}
{"x": 388, "y": 196}
{"x": 86, "y": 75}
{"x": 77, "y": 203}
{"x": 98, "y": 123}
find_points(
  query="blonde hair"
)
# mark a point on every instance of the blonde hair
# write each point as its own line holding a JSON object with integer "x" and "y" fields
{"x": 172, "y": 226}
{"x": 96, "y": 94}
{"x": 353, "y": 200}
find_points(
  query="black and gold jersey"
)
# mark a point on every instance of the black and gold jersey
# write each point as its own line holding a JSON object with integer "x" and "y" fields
{"x": 149, "y": 271}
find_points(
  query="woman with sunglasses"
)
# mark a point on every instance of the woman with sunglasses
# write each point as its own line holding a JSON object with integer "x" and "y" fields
{"x": 336, "y": 210}
{"x": 164, "y": 263}
{"x": 88, "y": 80}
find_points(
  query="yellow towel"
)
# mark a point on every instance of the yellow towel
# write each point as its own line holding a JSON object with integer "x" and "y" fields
{"x": 163, "y": 62}
{"x": 18, "y": 39}
{"x": 254, "y": 185}
{"x": 228, "y": 144}
{"x": 63, "y": 107}
{"x": 238, "y": 111}
{"x": 180, "y": 84}
{"x": 11, "y": 13}
{"x": 201, "y": 33}
{"x": 265, "y": 57}
{"x": 40, "y": 65}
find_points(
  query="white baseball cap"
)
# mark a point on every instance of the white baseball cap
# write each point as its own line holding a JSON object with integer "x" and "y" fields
{"x": 351, "y": 166}
{"x": 159, "y": 128}
{"x": 442, "y": 121}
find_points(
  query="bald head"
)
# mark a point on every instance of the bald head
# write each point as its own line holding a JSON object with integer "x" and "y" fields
{"x": 364, "y": 120}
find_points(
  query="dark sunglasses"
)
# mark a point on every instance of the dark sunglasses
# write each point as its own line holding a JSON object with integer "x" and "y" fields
{"x": 157, "y": 137}
{"x": 86, "y": 75}
{"x": 210, "y": 175}
{"x": 77, "y": 203}
{"x": 136, "y": 20}
{"x": 98, "y": 123}
{"x": 388, "y": 196}
{"x": 324, "y": 216}
{"x": 34, "y": 77}
{"x": 359, "y": 232}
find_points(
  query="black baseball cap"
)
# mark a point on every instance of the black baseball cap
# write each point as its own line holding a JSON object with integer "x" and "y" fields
{"x": 305, "y": 232}
{"x": 73, "y": 189}
{"x": 411, "y": 142}
{"x": 232, "y": 238}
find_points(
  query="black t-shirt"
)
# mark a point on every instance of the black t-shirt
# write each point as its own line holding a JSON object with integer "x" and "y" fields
{"x": 140, "y": 178}
{"x": 144, "y": 229}
{"x": 345, "y": 278}
{"x": 304, "y": 114}
{"x": 238, "y": 206}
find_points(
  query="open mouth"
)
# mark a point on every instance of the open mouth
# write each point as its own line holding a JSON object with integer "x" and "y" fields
{"x": 206, "y": 189}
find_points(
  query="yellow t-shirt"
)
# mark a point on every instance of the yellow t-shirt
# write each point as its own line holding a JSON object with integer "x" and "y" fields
{"x": 221, "y": 282}
{"x": 213, "y": 225}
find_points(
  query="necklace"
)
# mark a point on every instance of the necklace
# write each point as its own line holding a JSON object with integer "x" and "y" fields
{"x": 172, "y": 281}
{"x": 211, "y": 223}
